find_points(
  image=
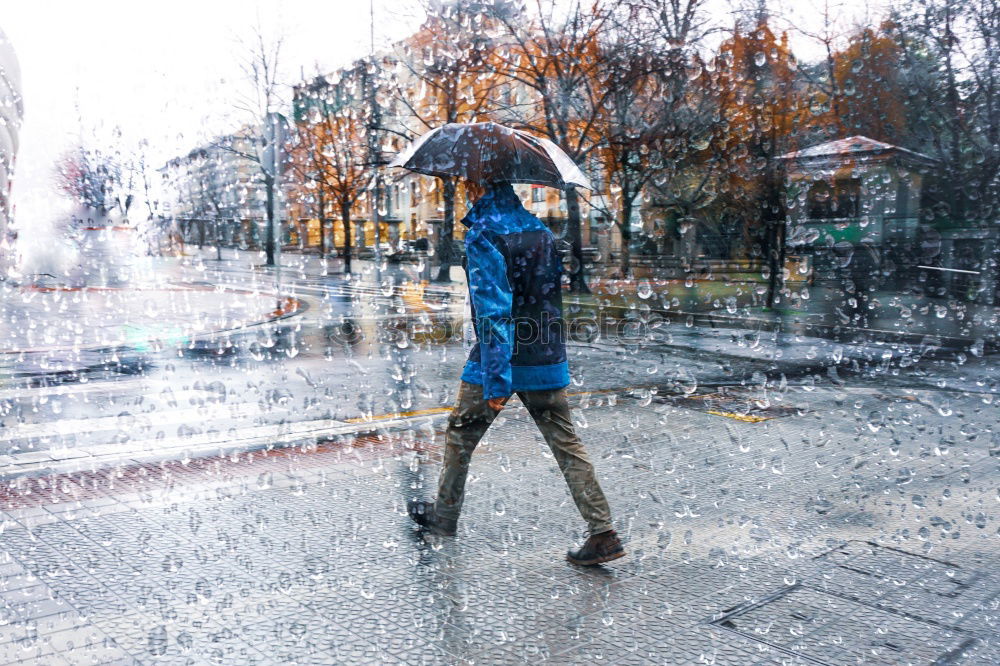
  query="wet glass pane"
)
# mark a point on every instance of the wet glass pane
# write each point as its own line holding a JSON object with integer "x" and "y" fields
{"x": 463, "y": 331}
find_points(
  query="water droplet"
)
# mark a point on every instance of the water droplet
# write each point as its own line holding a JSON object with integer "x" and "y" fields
{"x": 875, "y": 420}
{"x": 157, "y": 641}
{"x": 172, "y": 562}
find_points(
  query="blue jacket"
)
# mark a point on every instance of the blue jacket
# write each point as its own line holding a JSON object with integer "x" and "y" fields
{"x": 514, "y": 275}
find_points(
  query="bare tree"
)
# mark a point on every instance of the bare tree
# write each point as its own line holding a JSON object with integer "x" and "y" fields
{"x": 824, "y": 84}
{"x": 555, "y": 54}
{"x": 97, "y": 180}
{"x": 260, "y": 100}
{"x": 652, "y": 109}
{"x": 632, "y": 129}
{"x": 953, "y": 84}
{"x": 445, "y": 78}
{"x": 208, "y": 203}
{"x": 983, "y": 56}
{"x": 933, "y": 41}
{"x": 332, "y": 134}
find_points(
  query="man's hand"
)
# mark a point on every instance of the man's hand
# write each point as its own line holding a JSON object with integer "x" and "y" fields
{"x": 496, "y": 404}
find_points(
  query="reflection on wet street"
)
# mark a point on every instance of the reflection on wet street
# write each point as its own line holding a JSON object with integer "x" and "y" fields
{"x": 217, "y": 359}
{"x": 219, "y": 352}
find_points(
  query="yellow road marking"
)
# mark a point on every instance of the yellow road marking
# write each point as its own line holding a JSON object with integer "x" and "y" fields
{"x": 400, "y": 415}
{"x": 747, "y": 418}
{"x": 441, "y": 410}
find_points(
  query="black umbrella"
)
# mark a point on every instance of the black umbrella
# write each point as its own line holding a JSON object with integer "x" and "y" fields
{"x": 489, "y": 153}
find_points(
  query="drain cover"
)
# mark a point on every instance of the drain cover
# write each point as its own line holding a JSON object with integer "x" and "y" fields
{"x": 901, "y": 568}
{"x": 829, "y": 629}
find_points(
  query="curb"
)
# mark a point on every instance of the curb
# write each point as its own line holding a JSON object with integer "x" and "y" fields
{"x": 795, "y": 325}
{"x": 292, "y": 307}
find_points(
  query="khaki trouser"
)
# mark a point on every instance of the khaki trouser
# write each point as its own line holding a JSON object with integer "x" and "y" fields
{"x": 470, "y": 419}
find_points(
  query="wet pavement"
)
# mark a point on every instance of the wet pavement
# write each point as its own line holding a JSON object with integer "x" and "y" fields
{"x": 215, "y": 359}
{"x": 237, "y": 495}
{"x": 813, "y": 537}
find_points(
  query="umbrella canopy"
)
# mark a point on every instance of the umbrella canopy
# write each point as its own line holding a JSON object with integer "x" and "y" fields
{"x": 489, "y": 153}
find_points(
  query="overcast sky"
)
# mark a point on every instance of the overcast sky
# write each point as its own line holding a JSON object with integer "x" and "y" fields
{"x": 168, "y": 71}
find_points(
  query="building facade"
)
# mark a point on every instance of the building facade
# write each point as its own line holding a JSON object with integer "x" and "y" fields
{"x": 11, "y": 115}
{"x": 859, "y": 209}
{"x": 216, "y": 193}
{"x": 207, "y": 183}
{"x": 412, "y": 205}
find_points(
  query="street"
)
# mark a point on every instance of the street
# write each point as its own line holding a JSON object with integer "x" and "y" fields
{"x": 240, "y": 497}
{"x": 210, "y": 364}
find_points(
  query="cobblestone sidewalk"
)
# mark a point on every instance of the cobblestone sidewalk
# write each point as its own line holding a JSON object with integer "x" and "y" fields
{"x": 827, "y": 535}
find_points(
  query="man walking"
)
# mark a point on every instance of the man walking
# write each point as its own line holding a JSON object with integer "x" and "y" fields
{"x": 514, "y": 281}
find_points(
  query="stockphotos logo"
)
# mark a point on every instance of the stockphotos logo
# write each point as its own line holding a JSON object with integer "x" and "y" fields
{"x": 525, "y": 331}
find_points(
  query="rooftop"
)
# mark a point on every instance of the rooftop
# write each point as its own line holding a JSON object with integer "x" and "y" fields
{"x": 854, "y": 146}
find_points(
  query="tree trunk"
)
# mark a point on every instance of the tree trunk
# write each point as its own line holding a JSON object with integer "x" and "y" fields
{"x": 345, "y": 216}
{"x": 445, "y": 242}
{"x": 269, "y": 237}
{"x": 218, "y": 240}
{"x": 577, "y": 283}
{"x": 956, "y": 178}
{"x": 322, "y": 224}
{"x": 625, "y": 229}
{"x": 775, "y": 219}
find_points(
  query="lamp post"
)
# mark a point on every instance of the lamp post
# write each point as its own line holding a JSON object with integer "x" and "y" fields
{"x": 374, "y": 149}
{"x": 218, "y": 240}
{"x": 271, "y": 158}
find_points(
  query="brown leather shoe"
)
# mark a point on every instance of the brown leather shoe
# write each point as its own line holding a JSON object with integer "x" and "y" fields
{"x": 423, "y": 514}
{"x": 598, "y": 548}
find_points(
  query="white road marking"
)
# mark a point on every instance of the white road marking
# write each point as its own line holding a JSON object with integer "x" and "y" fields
{"x": 175, "y": 448}
{"x": 80, "y": 426}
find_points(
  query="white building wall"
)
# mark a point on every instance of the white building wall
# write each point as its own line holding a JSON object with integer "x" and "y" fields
{"x": 11, "y": 114}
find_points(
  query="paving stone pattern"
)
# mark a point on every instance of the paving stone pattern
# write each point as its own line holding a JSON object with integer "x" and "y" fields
{"x": 827, "y": 536}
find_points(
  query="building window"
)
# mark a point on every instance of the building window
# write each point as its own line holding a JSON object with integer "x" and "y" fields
{"x": 595, "y": 229}
{"x": 537, "y": 194}
{"x": 596, "y": 175}
{"x": 839, "y": 201}
{"x": 902, "y": 198}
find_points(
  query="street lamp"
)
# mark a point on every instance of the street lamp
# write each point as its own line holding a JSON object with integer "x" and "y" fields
{"x": 272, "y": 156}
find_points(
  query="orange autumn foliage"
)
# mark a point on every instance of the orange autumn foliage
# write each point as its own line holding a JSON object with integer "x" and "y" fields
{"x": 763, "y": 111}
{"x": 328, "y": 158}
{"x": 869, "y": 98}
